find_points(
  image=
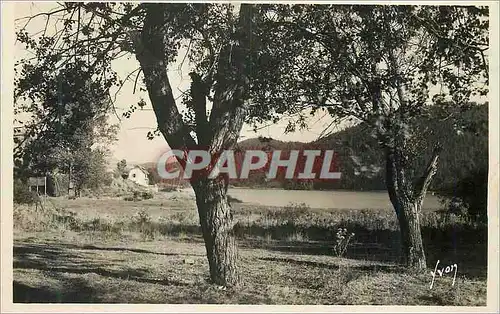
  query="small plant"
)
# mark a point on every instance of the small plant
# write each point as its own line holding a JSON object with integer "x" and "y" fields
{"x": 67, "y": 218}
{"x": 342, "y": 240}
{"x": 143, "y": 217}
{"x": 149, "y": 232}
{"x": 138, "y": 196}
{"x": 297, "y": 237}
{"x": 143, "y": 222}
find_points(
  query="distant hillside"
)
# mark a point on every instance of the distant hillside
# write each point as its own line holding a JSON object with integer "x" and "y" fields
{"x": 263, "y": 142}
{"x": 362, "y": 162}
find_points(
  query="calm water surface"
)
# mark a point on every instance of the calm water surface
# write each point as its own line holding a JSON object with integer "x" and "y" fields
{"x": 323, "y": 199}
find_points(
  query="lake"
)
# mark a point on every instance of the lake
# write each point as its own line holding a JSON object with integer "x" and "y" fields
{"x": 323, "y": 199}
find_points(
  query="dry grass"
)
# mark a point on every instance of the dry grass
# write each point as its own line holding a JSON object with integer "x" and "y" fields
{"x": 85, "y": 269}
{"x": 112, "y": 250}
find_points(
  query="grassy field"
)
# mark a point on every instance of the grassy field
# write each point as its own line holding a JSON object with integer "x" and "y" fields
{"x": 151, "y": 251}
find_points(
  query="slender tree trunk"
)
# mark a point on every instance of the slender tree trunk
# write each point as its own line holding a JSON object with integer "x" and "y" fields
{"x": 407, "y": 211}
{"x": 217, "y": 226}
{"x": 411, "y": 235}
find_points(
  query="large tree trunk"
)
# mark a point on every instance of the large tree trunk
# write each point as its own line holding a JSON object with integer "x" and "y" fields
{"x": 221, "y": 132}
{"x": 407, "y": 201}
{"x": 216, "y": 134}
{"x": 217, "y": 225}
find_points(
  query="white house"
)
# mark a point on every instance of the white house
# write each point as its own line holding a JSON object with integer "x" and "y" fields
{"x": 139, "y": 175}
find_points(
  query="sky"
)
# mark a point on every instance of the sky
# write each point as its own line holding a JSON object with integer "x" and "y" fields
{"x": 132, "y": 143}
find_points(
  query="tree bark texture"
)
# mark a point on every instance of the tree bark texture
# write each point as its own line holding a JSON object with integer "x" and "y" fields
{"x": 218, "y": 230}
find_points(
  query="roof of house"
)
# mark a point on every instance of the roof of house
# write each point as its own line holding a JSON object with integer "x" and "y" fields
{"x": 139, "y": 167}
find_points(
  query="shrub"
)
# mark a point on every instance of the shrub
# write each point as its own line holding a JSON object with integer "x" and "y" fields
{"x": 142, "y": 222}
{"x": 138, "y": 196}
{"x": 142, "y": 217}
{"x": 185, "y": 218}
{"x": 469, "y": 198}
{"x": 42, "y": 218}
{"x": 129, "y": 198}
{"x": 147, "y": 195}
{"x": 297, "y": 237}
{"x": 67, "y": 219}
{"x": 22, "y": 195}
{"x": 292, "y": 213}
{"x": 298, "y": 184}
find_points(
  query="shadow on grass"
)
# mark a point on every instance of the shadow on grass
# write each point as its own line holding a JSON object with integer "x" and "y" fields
{"x": 76, "y": 291}
{"x": 362, "y": 268}
{"x": 300, "y": 263}
{"x": 57, "y": 261}
{"x": 433, "y": 299}
{"x": 118, "y": 249}
{"x": 467, "y": 247}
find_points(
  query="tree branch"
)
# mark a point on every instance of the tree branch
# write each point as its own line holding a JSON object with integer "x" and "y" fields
{"x": 115, "y": 36}
{"x": 425, "y": 180}
{"x": 199, "y": 91}
{"x": 150, "y": 52}
{"x": 231, "y": 91}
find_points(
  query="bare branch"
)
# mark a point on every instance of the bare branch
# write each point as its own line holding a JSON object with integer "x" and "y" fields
{"x": 154, "y": 67}
{"x": 425, "y": 180}
{"x": 135, "y": 81}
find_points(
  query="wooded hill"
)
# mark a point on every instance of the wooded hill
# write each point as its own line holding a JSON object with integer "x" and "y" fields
{"x": 361, "y": 161}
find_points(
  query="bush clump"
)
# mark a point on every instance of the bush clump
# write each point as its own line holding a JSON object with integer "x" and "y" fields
{"x": 139, "y": 196}
{"x": 469, "y": 197}
{"x": 22, "y": 194}
{"x": 147, "y": 195}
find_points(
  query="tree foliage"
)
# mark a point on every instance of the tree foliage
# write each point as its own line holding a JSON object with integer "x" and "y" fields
{"x": 121, "y": 168}
{"x": 67, "y": 129}
{"x": 374, "y": 63}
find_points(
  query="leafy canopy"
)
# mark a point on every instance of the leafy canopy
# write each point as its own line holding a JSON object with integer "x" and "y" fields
{"x": 373, "y": 63}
